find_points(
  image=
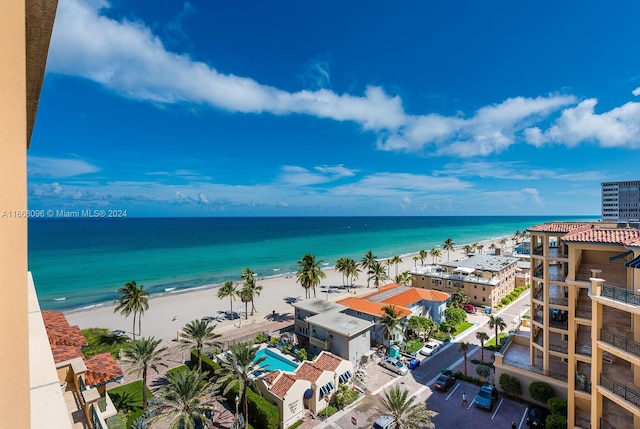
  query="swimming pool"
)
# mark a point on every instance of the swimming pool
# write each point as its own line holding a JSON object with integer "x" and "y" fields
{"x": 274, "y": 361}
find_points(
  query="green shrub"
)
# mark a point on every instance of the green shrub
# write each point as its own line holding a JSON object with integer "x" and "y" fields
{"x": 541, "y": 391}
{"x": 510, "y": 385}
{"x": 557, "y": 406}
{"x": 132, "y": 417}
{"x": 178, "y": 369}
{"x": 261, "y": 338}
{"x": 273, "y": 341}
{"x": 470, "y": 379}
{"x": 301, "y": 354}
{"x": 208, "y": 365}
{"x": 413, "y": 345}
{"x": 296, "y": 424}
{"x": 102, "y": 340}
{"x": 287, "y": 348}
{"x": 556, "y": 421}
{"x": 262, "y": 413}
{"x": 344, "y": 396}
{"x": 483, "y": 371}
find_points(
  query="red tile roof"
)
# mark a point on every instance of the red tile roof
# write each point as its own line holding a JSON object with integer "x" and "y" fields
{"x": 64, "y": 352}
{"x": 101, "y": 369}
{"x": 382, "y": 289}
{"x": 433, "y": 295}
{"x": 283, "y": 384}
{"x": 309, "y": 371}
{"x": 603, "y": 235}
{"x": 54, "y": 318}
{"x": 561, "y": 227}
{"x": 369, "y": 307}
{"x": 270, "y": 377}
{"x": 328, "y": 361}
{"x": 69, "y": 335}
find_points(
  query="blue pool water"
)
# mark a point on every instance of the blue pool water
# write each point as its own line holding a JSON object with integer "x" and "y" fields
{"x": 274, "y": 361}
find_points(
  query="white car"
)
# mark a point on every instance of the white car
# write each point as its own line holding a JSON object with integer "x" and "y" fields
{"x": 429, "y": 348}
{"x": 394, "y": 365}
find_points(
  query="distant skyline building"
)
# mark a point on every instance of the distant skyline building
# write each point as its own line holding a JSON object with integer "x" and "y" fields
{"x": 620, "y": 201}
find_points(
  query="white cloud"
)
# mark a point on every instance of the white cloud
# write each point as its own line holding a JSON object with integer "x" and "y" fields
{"x": 533, "y": 194}
{"x": 39, "y": 166}
{"x": 636, "y": 91}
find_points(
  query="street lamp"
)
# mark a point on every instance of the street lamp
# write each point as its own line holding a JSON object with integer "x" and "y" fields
{"x": 238, "y": 421}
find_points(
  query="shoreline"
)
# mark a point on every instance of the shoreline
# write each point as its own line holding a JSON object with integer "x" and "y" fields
{"x": 169, "y": 312}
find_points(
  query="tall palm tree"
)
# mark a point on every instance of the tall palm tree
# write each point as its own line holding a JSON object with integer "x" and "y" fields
{"x": 341, "y": 267}
{"x": 391, "y": 322}
{"x": 435, "y": 253}
{"x": 253, "y": 289}
{"x": 503, "y": 243}
{"x": 415, "y": 261}
{"x": 493, "y": 247}
{"x": 366, "y": 261}
{"x": 187, "y": 402}
{"x": 388, "y": 263}
{"x": 422, "y": 256}
{"x": 377, "y": 273}
{"x": 142, "y": 355}
{"x": 448, "y": 246}
{"x": 246, "y": 294}
{"x": 352, "y": 270}
{"x": 464, "y": 349}
{"x": 134, "y": 300}
{"x": 404, "y": 278}
{"x": 480, "y": 247}
{"x": 235, "y": 370}
{"x": 482, "y": 337}
{"x": 496, "y": 322}
{"x": 198, "y": 334}
{"x": 228, "y": 289}
{"x": 407, "y": 412}
{"x": 310, "y": 274}
{"x": 396, "y": 260}
{"x": 467, "y": 248}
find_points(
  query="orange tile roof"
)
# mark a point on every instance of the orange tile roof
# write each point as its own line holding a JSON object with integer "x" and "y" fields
{"x": 65, "y": 352}
{"x": 101, "y": 369}
{"x": 270, "y": 377}
{"x": 309, "y": 371}
{"x": 433, "y": 295}
{"x": 382, "y": 289}
{"x": 283, "y": 384}
{"x": 69, "y": 335}
{"x": 54, "y": 318}
{"x": 369, "y": 307}
{"x": 603, "y": 235}
{"x": 562, "y": 227}
{"x": 328, "y": 361}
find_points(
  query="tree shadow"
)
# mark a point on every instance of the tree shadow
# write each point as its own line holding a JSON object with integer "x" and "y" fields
{"x": 279, "y": 317}
{"x": 291, "y": 299}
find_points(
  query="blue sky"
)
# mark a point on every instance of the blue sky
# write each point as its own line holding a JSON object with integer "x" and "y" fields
{"x": 247, "y": 108}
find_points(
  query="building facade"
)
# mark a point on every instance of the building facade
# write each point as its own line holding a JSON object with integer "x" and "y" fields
{"x": 486, "y": 279}
{"x": 620, "y": 201}
{"x": 585, "y": 322}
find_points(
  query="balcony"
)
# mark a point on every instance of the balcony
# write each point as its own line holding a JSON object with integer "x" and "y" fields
{"x": 583, "y": 422}
{"x": 620, "y": 342}
{"x": 323, "y": 344}
{"x": 557, "y": 252}
{"x": 620, "y": 390}
{"x": 538, "y": 294}
{"x": 532, "y": 368}
{"x": 620, "y": 295}
{"x": 303, "y": 327}
{"x": 583, "y": 313}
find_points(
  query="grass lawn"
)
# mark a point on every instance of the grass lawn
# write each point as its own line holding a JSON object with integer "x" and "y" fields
{"x": 102, "y": 340}
{"x": 462, "y": 327}
{"x": 491, "y": 344}
{"x": 414, "y": 346}
{"x": 129, "y": 395}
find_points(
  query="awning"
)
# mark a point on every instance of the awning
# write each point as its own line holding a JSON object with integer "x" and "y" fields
{"x": 634, "y": 263}
{"x": 622, "y": 255}
{"x": 464, "y": 270}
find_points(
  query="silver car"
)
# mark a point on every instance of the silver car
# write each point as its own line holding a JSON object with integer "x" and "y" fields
{"x": 394, "y": 365}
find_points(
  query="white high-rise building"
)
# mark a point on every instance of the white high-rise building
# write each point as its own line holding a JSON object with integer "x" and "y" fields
{"x": 620, "y": 201}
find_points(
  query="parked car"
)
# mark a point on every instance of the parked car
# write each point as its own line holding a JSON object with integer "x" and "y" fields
{"x": 536, "y": 416}
{"x": 444, "y": 382}
{"x": 384, "y": 422}
{"x": 486, "y": 397}
{"x": 394, "y": 365}
{"x": 429, "y": 348}
{"x": 470, "y": 308}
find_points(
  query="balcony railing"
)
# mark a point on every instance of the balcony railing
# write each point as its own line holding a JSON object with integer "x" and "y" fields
{"x": 558, "y": 348}
{"x": 538, "y": 294}
{"x": 531, "y": 368}
{"x": 559, "y": 301}
{"x": 539, "y": 318}
{"x": 583, "y": 422}
{"x": 96, "y": 422}
{"x": 620, "y": 390}
{"x": 539, "y": 341}
{"x": 619, "y": 294}
{"x": 583, "y": 349}
{"x": 620, "y": 342}
{"x": 583, "y": 384}
{"x": 583, "y": 313}
{"x": 557, "y": 277}
{"x": 325, "y": 345}
{"x": 605, "y": 424}
{"x": 559, "y": 324}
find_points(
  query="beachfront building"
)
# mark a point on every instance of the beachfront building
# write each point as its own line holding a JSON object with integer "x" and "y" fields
{"x": 486, "y": 279}
{"x": 406, "y": 301}
{"x": 584, "y": 337}
{"x": 322, "y": 325}
{"x": 27, "y": 369}
{"x": 286, "y": 391}
{"x": 322, "y": 385}
{"x": 620, "y": 201}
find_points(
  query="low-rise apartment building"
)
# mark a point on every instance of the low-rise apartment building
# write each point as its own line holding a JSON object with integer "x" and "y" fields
{"x": 486, "y": 279}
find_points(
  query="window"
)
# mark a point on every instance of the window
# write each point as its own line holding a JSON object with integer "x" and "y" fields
{"x": 483, "y": 300}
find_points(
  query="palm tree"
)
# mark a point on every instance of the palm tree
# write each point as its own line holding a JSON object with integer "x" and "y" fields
{"x": 142, "y": 355}
{"x": 341, "y": 267}
{"x": 134, "y": 300}
{"x": 377, "y": 273}
{"x": 404, "y": 278}
{"x": 467, "y": 248}
{"x": 415, "y": 261}
{"x": 246, "y": 294}
{"x": 396, "y": 260}
{"x": 199, "y": 334}
{"x": 252, "y": 288}
{"x": 406, "y": 412}
{"x": 449, "y": 245}
{"x": 503, "y": 243}
{"x": 482, "y": 337}
{"x": 464, "y": 349}
{"x": 228, "y": 289}
{"x": 388, "y": 263}
{"x": 310, "y": 274}
{"x": 435, "y": 253}
{"x": 366, "y": 261}
{"x": 187, "y": 402}
{"x": 493, "y": 247}
{"x": 390, "y": 321}
{"x": 480, "y": 247}
{"x": 496, "y": 322}
{"x": 422, "y": 255}
{"x": 235, "y": 370}
{"x": 351, "y": 270}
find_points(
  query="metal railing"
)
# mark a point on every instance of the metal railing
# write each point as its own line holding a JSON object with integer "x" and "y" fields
{"x": 539, "y": 319}
{"x": 605, "y": 424}
{"x": 583, "y": 349}
{"x": 95, "y": 420}
{"x": 559, "y": 301}
{"x": 531, "y": 368}
{"x": 583, "y": 313}
{"x": 538, "y": 294}
{"x": 559, "y": 348}
{"x": 559, "y": 324}
{"x": 557, "y": 277}
{"x": 583, "y": 422}
{"x": 620, "y": 342}
{"x": 620, "y": 390}
{"x": 619, "y": 294}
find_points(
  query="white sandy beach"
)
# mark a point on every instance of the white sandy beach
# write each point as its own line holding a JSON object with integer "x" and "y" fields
{"x": 170, "y": 312}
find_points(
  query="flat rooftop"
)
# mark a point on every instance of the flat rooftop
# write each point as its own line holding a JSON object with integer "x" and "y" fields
{"x": 318, "y": 305}
{"x": 340, "y": 323}
{"x": 483, "y": 262}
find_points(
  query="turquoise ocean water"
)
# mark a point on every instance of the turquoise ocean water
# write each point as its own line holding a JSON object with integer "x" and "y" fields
{"x": 78, "y": 263}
